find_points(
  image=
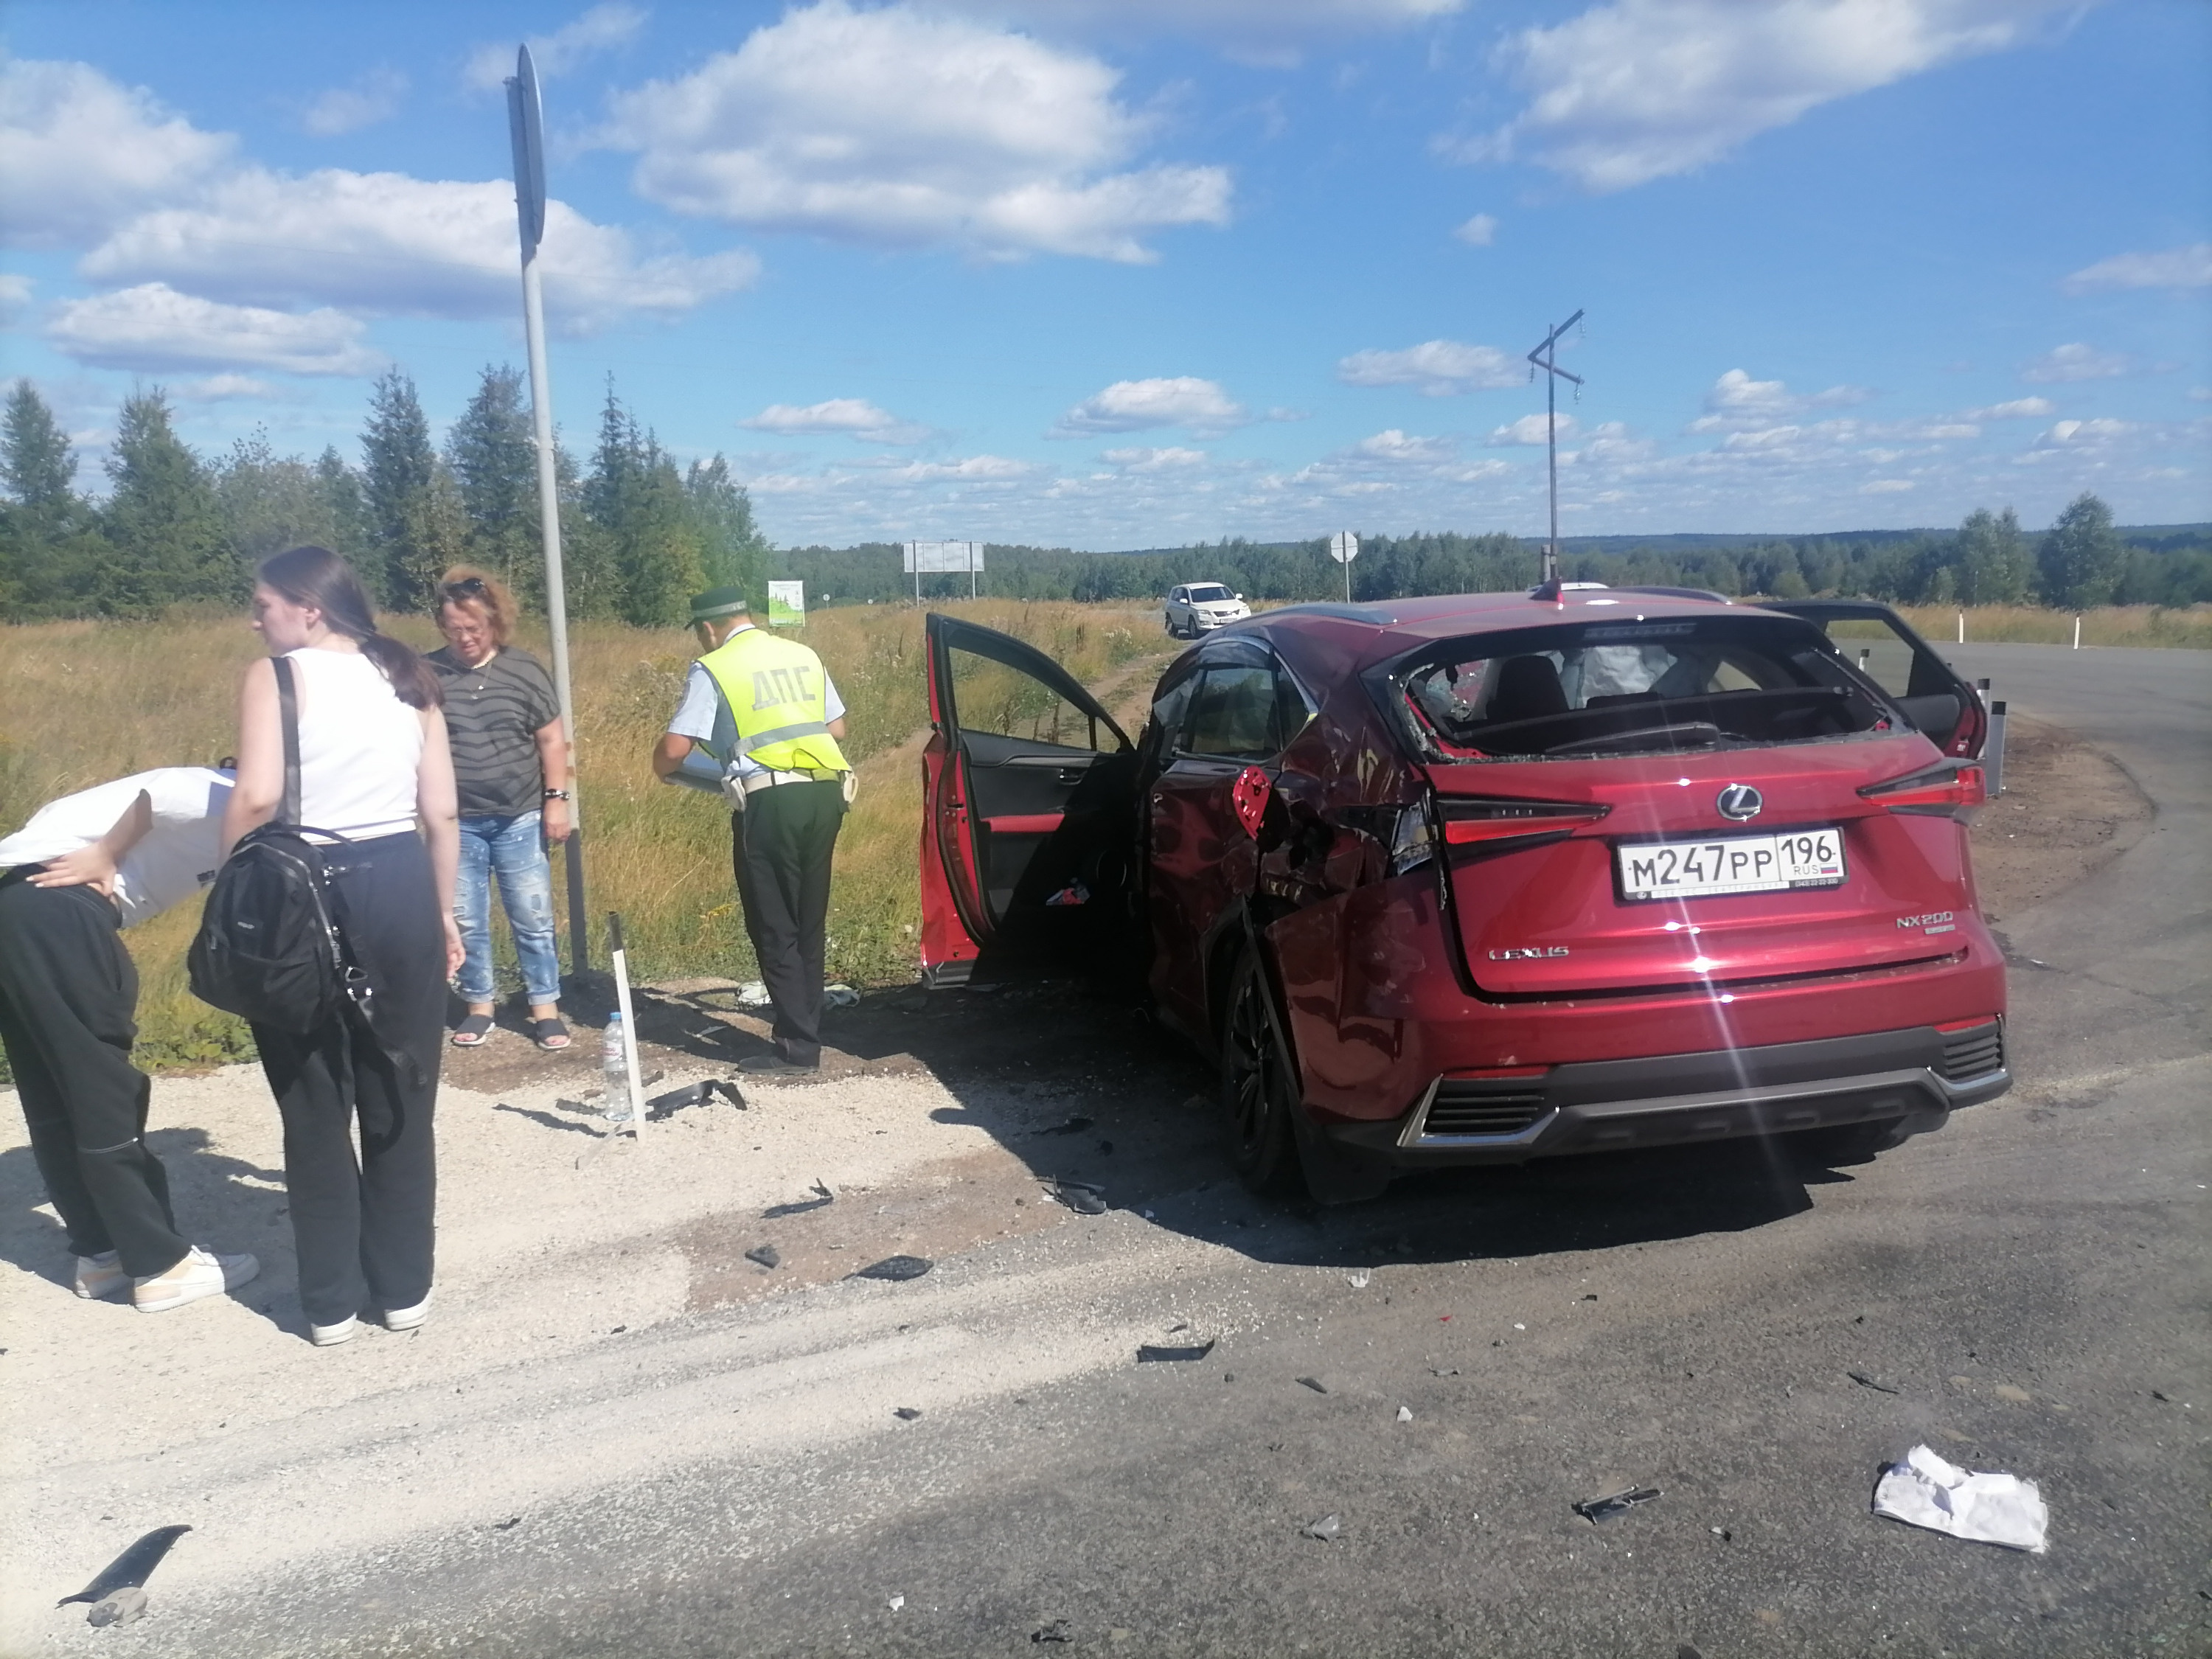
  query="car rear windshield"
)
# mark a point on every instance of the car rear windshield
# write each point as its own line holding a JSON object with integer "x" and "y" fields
{"x": 1602, "y": 688}
{"x": 1208, "y": 595}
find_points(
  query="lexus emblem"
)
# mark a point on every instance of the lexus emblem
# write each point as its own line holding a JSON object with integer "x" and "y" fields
{"x": 1739, "y": 801}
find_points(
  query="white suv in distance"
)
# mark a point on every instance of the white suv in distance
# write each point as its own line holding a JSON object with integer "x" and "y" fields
{"x": 1201, "y": 607}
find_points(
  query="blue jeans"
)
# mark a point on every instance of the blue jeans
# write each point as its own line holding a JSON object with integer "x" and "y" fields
{"x": 514, "y": 849}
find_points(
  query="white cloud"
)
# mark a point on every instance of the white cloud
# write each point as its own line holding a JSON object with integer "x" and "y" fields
{"x": 388, "y": 244}
{"x": 2177, "y": 268}
{"x": 894, "y": 127}
{"x": 1886, "y": 487}
{"x": 14, "y": 294}
{"x": 374, "y": 97}
{"x": 973, "y": 468}
{"x": 1638, "y": 89}
{"x": 2018, "y": 408}
{"x": 154, "y": 328}
{"x": 78, "y": 152}
{"x": 1737, "y": 403}
{"x": 1155, "y": 460}
{"x": 1435, "y": 369}
{"x": 1183, "y": 400}
{"x": 2085, "y": 432}
{"x": 1529, "y": 429}
{"x": 1478, "y": 232}
{"x": 602, "y": 28}
{"x": 2076, "y": 361}
{"x": 225, "y": 388}
{"x": 1395, "y": 445}
{"x": 854, "y": 417}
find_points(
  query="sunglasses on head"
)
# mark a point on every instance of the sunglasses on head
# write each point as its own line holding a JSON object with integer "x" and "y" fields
{"x": 469, "y": 587}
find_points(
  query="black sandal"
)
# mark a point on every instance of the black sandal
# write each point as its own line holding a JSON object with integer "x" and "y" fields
{"x": 549, "y": 1034}
{"x": 473, "y": 1032}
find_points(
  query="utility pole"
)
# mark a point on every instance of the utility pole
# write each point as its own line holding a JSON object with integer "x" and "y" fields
{"x": 1545, "y": 357}
{"x": 525, "y": 126}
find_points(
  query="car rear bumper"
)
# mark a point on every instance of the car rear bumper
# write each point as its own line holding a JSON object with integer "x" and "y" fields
{"x": 1913, "y": 1078}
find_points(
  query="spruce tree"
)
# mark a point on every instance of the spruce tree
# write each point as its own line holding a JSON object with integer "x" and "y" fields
{"x": 2083, "y": 555}
{"x": 397, "y": 465}
{"x": 494, "y": 460}
{"x": 45, "y": 543}
{"x": 162, "y": 526}
{"x": 349, "y": 515}
{"x": 734, "y": 552}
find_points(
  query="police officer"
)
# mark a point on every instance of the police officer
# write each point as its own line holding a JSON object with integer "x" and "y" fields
{"x": 764, "y": 709}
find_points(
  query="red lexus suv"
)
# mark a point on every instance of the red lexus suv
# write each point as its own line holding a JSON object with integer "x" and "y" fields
{"x": 1489, "y": 877}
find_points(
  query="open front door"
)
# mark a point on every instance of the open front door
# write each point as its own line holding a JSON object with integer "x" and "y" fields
{"x": 1938, "y": 703}
{"x": 1027, "y": 833}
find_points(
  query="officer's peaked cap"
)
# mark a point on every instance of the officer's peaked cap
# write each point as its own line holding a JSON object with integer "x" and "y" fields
{"x": 717, "y": 602}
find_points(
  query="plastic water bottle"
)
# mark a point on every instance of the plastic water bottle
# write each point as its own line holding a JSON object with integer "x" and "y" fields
{"x": 614, "y": 1063}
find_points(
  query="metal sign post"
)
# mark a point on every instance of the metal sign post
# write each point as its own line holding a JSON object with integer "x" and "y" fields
{"x": 948, "y": 558}
{"x": 1344, "y": 547}
{"x": 525, "y": 126}
{"x": 1545, "y": 357}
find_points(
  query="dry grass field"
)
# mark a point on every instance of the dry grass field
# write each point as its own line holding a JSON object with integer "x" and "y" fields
{"x": 82, "y": 703}
{"x": 2028, "y": 625}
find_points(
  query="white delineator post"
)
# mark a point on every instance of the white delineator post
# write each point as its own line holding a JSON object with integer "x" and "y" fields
{"x": 525, "y": 127}
{"x": 1962, "y": 628}
{"x": 2077, "y": 633}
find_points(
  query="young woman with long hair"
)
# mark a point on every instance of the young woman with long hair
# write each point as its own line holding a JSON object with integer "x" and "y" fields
{"x": 373, "y": 761}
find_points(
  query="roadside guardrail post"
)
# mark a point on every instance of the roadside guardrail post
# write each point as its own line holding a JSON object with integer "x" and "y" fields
{"x": 1993, "y": 750}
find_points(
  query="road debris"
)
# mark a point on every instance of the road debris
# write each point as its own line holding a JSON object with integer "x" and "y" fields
{"x": 127, "y": 1572}
{"x": 1404, "y": 1414}
{"x": 895, "y": 1269}
{"x": 1326, "y": 1528}
{"x": 840, "y": 996}
{"x": 1080, "y": 1196}
{"x": 1865, "y": 1380}
{"x": 822, "y": 1199}
{"x": 753, "y": 993}
{"x": 1926, "y": 1491}
{"x": 1357, "y": 1281}
{"x": 507, "y": 1525}
{"x": 1157, "y": 1353}
{"x": 1595, "y": 1510}
{"x": 767, "y": 1255}
{"x": 1443, "y": 1371}
{"x": 895, "y": 1603}
{"x": 1060, "y": 1629}
{"x": 661, "y": 1107}
{"x": 1313, "y": 1382}
{"x": 1074, "y": 1125}
{"x": 907, "y": 1413}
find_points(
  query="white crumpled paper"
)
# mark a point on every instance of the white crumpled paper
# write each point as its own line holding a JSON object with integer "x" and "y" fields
{"x": 1925, "y": 1490}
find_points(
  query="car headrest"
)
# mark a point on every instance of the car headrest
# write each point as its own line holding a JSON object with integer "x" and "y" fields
{"x": 1527, "y": 689}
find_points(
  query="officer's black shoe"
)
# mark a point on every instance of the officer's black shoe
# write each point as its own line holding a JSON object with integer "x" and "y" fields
{"x": 776, "y": 1066}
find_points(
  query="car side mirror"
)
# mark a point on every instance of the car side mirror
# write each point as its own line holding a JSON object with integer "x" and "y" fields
{"x": 1240, "y": 597}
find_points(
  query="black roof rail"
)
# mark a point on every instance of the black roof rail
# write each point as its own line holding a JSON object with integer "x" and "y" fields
{"x": 1679, "y": 593}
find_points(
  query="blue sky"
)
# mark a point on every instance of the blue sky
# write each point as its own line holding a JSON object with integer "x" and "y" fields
{"x": 1122, "y": 273}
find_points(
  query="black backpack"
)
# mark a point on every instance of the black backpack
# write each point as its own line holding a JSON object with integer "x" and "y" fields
{"x": 269, "y": 948}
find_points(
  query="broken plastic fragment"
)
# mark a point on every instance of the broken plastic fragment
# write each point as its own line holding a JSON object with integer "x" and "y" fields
{"x": 1404, "y": 1414}
{"x": 1595, "y": 1510}
{"x": 906, "y": 1414}
{"x": 1357, "y": 1281}
{"x": 1079, "y": 1195}
{"x": 692, "y": 1094}
{"x": 1074, "y": 893}
{"x": 896, "y": 1602}
{"x": 129, "y": 1570}
{"x": 1326, "y": 1528}
{"x": 1059, "y": 1631}
{"x": 1074, "y": 1125}
{"x": 894, "y": 1269}
{"x": 767, "y": 1255}
{"x": 120, "y": 1608}
{"x": 1315, "y": 1383}
{"x": 840, "y": 996}
{"x": 1153, "y": 1353}
{"x": 1868, "y": 1381}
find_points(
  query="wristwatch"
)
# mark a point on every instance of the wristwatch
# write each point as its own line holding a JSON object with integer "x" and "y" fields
{"x": 556, "y": 794}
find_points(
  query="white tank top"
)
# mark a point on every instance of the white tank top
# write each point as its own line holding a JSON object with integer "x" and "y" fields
{"x": 360, "y": 746}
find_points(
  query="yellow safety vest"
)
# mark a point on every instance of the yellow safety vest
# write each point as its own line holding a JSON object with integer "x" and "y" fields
{"x": 774, "y": 695}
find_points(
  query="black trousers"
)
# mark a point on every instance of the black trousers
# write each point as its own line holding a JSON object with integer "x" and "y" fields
{"x": 781, "y": 845}
{"x": 68, "y": 1002}
{"x": 362, "y": 1225}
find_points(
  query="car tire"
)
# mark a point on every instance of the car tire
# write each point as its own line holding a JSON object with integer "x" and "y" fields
{"x": 1259, "y": 1087}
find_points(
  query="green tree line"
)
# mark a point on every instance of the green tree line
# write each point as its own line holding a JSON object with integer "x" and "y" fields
{"x": 2082, "y": 561}
{"x": 639, "y": 533}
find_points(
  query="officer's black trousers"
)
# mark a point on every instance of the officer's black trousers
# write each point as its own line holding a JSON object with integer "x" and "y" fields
{"x": 781, "y": 845}
{"x": 69, "y": 1000}
{"x": 363, "y": 1226}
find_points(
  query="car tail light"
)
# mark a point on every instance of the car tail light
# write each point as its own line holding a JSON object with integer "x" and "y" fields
{"x": 1476, "y": 822}
{"x": 1951, "y": 791}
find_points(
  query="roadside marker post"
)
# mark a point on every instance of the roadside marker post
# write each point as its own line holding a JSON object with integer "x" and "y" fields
{"x": 618, "y": 960}
{"x": 2077, "y": 633}
{"x": 1993, "y": 748}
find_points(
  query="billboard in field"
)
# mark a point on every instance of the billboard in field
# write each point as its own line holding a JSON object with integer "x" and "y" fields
{"x": 787, "y": 604}
{"x": 929, "y": 558}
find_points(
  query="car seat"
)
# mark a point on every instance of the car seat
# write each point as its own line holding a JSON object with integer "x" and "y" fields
{"x": 1527, "y": 689}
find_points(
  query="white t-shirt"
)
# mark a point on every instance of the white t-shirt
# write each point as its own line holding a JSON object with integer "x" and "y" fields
{"x": 360, "y": 746}
{"x": 703, "y": 706}
{"x": 177, "y": 857}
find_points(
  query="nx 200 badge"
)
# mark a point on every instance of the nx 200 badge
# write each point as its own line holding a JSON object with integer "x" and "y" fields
{"x": 1533, "y": 953}
{"x": 1739, "y": 801}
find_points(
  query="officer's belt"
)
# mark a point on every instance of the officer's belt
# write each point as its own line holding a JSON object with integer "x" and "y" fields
{"x": 753, "y": 783}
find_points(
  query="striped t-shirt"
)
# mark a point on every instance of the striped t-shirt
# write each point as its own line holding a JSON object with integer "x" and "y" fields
{"x": 493, "y": 714}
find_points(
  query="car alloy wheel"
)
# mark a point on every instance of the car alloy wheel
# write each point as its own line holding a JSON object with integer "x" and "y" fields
{"x": 1257, "y": 1092}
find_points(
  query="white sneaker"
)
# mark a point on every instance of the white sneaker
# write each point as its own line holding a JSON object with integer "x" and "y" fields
{"x": 406, "y": 1319}
{"x": 101, "y": 1276}
{"x": 199, "y": 1274}
{"x": 329, "y": 1336}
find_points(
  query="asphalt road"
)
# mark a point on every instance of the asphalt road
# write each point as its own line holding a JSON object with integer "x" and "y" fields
{"x": 2027, "y": 1288}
